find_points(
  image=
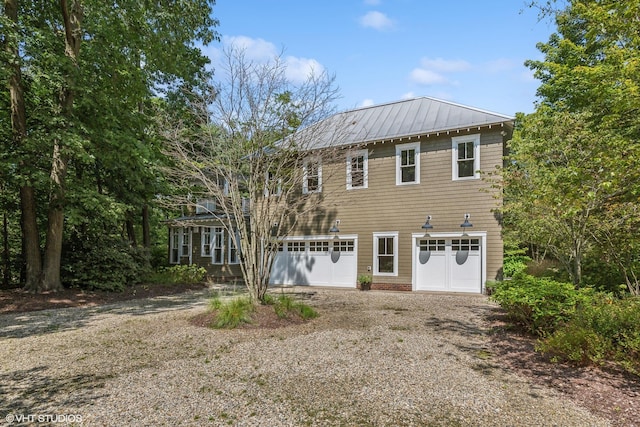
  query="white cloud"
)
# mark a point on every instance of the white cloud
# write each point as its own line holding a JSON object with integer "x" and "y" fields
{"x": 261, "y": 51}
{"x": 377, "y": 21}
{"x": 436, "y": 71}
{"x": 299, "y": 69}
{"x": 426, "y": 77}
{"x": 408, "y": 95}
{"x": 366, "y": 103}
{"x": 254, "y": 49}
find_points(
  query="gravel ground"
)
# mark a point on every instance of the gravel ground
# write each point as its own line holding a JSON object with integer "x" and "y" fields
{"x": 370, "y": 359}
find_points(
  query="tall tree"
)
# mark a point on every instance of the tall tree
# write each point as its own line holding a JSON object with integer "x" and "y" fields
{"x": 573, "y": 163}
{"x": 91, "y": 66}
{"x": 247, "y": 147}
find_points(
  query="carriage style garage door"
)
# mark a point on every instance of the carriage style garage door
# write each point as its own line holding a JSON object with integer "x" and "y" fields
{"x": 320, "y": 262}
{"x": 448, "y": 264}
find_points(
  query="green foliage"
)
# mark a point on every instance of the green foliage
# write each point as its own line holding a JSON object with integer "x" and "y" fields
{"x": 178, "y": 274}
{"x": 538, "y": 304}
{"x": 285, "y": 305}
{"x": 234, "y": 313}
{"x": 109, "y": 266}
{"x": 606, "y": 329}
{"x": 515, "y": 260}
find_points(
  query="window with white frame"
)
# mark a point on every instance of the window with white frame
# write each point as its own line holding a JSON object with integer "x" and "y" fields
{"x": 176, "y": 233}
{"x": 385, "y": 257}
{"x": 408, "y": 163}
{"x": 217, "y": 245}
{"x": 357, "y": 169}
{"x": 205, "y": 206}
{"x": 185, "y": 239}
{"x": 466, "y": 157}
{"x": 205, "y": 242}
{"x": 234, "y": 257}
{"x": 312, "y": 176}
{"x": 272, "y": 184}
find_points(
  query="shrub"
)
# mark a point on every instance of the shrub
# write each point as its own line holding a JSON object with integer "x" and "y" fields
{"x": 109, "y": 266}
{"x": 538, "y": 304}
{"x": 234, "y": 313}
{"x": 515, "y": 260}
{"x": 607, "y": 329}
{"x": 285, "y": 305}
{"x": 186, "y": 274}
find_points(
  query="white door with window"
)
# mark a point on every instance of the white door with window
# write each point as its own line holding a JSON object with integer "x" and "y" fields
{"x": 316, "y": 261}
{"x": 444, "y": 263}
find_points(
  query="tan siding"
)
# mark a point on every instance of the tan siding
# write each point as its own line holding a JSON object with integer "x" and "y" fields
{"x": 386, "y": 207}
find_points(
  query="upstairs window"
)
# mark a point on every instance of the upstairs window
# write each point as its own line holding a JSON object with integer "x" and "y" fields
{"x": 357, "y": 169}
{"x": 408, "y": 163}
{"x": 466, "y": 157}
{"x": 205, "y": 206}
{"x": 272, "y": 184}
{"x": 312, "y": 179}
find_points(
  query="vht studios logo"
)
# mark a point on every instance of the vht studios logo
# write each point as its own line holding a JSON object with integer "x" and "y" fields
{"x": 43, "y": 418}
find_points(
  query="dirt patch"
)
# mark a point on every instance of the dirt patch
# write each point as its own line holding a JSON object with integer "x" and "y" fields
{"x": 606, "y": 391}
{"x": 18, "y": 301}
{"x": 264, "y": 317}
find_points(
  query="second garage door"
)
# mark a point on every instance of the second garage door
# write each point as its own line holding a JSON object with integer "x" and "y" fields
{"x": 319, "y": 262}
{"x": 448, "y": 264}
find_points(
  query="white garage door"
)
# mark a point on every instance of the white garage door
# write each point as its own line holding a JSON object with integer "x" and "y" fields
{"x": 448, "y": 264}
{"x": 321, "y": 262}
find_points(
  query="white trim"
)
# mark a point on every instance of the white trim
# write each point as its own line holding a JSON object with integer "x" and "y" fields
{"x": 399, "y": 149}
{"x": 305, "y": 177}
{"x": 365, "y": 168}
{"x": 482, "y": 235}
{"x": 217, "y": 231}
{"x": 455, "y": 141}
{"x": 376, "y": 236}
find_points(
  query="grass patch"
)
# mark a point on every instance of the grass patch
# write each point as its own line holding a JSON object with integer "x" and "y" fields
{"x": 232, "y": 313}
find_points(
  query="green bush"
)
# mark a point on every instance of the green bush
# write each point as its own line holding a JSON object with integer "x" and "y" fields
{"x": 515, "y": 260}
{"x": 108, "y": 266}
{"x": 607, "y": 329}
{"x": 285, "y": 305}
{"x": 234, "y": 313}
{"x": 186, "y": 274}
{"x": 538, "y": 304}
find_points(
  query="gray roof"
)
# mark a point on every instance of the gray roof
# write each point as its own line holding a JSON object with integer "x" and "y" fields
{"x": 401, "y": 119}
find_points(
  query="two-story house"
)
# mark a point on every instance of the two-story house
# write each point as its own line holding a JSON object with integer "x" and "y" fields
{"x": 405, "y": 203}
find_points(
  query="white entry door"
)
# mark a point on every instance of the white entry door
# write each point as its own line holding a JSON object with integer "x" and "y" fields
{"x": 448, "y": 264}
{"x": 319, "y": 262}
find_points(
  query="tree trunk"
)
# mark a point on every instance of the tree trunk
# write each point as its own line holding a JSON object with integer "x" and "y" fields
{"x": 131, "y": 232}
{"x": 28, "y": 223}
{"x": 6, "y": 264}
{"x": 146, "y": 229}
{"x": 50, "y": 281}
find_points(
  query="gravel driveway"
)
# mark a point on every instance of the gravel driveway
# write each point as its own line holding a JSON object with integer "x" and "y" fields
{"x": 370, "y": 359}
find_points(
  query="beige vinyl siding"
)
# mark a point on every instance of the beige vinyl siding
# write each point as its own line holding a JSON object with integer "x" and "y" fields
{"x": 386, "y": 207}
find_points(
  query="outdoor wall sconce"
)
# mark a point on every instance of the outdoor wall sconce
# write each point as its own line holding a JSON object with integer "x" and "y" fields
{"x": 335, "y": 229}
{"x": 427, "y": 225}
{"x": 466, "y": 224}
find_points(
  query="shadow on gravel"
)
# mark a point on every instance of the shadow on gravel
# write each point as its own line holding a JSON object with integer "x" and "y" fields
{"x": 26, "y": 324}
{"x": 29, "y": 392}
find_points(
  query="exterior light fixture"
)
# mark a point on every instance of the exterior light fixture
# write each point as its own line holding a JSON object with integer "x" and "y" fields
{"x": 466, "y": 224}
{"x": 335, "y": 229}
{"x": 427, "y": 225}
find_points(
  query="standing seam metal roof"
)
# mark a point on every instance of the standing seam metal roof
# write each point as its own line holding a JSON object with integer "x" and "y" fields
{"x": 402, "y": 119}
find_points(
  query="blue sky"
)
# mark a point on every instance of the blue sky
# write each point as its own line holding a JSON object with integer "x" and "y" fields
{"x": 466, "y": 51}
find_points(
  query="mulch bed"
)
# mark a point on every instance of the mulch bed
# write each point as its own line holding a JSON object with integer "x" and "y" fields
{"x": 606, "y": 391}
{"x": 264, "y": 317}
